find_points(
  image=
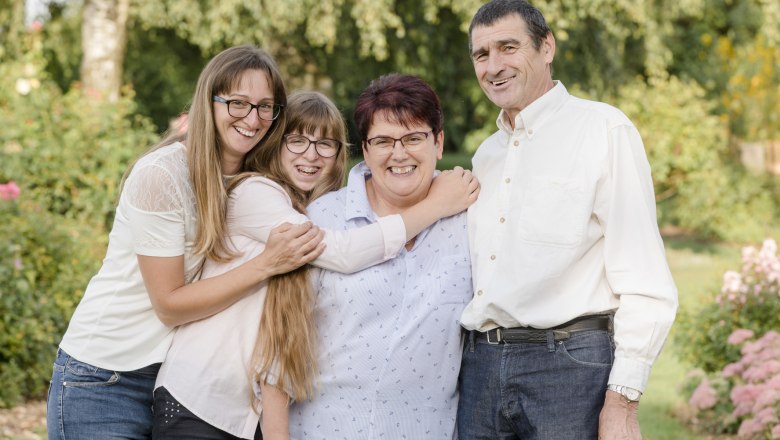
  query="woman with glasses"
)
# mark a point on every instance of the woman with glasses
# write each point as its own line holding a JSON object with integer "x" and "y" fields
{"x": 170, "y": 216}
{"x": 388, "y": 339}
{"x": 221, "y": 372}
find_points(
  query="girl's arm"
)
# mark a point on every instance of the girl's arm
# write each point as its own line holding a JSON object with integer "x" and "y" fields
{"x": 275, "y": 417}
{"x": 259, "y": 203}
{"x": 176, "y": 303}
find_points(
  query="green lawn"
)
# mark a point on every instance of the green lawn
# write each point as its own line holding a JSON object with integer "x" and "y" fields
{"x": 698, "y": 270}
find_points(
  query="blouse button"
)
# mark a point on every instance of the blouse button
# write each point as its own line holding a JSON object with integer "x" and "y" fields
{"x": 517, "y": 143}
{"x": 479, "y": 293}
{"x": 502, "y": 220}
{"x": 492, "y": 257}
{"x": 507, "y": 180}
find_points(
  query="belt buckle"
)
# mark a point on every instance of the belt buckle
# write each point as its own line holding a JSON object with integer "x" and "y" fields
{"x": 498, "y": 337}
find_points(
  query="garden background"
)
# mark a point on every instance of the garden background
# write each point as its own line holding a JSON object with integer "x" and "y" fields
{"x": 87, "y": 85}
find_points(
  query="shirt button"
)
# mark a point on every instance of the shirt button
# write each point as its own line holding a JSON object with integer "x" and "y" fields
{"x": 479, "y": 293}
{"x": 530, "y": 131}
{"x": 507, "y": 180}
{"x": 492, "y": 257}
{"x": 517, "y": 143}
{"x": 502, "y": 220}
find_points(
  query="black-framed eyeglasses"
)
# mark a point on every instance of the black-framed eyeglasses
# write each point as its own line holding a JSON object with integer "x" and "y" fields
{"x": 238, "y": 108}
{"x": 411, "y": 142}
{"x": 299, "y": 144}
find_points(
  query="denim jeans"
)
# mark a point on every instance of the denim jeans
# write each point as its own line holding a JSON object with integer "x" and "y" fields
{"x": 87, "y": 402}
{"x": 534, "y": 391}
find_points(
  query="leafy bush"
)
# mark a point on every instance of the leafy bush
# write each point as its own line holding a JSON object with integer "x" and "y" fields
{"x": 749, "y": 299}
{"x": 688, "y": 149}
{"x": 66, "y": 154}
{"x": 69, "y": 150}
{"x": 44, "y": 266}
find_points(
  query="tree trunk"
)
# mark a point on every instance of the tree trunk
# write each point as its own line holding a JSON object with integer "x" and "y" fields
{"x": 103, "y": 40}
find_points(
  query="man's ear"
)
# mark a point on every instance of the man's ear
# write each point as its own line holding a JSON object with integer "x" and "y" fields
{"x": 548, "y": 48}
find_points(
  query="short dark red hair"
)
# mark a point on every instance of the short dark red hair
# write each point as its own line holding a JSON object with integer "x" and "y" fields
{"x": 405, "y": 99}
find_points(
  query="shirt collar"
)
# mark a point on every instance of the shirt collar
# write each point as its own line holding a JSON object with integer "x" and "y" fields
{"x": 357, "y": 196}
{"x": 536, "y": 112}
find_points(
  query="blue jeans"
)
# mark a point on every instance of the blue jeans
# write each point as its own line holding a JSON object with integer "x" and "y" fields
{"x": 87, "y": 402}
{"x": 534, "y": 391}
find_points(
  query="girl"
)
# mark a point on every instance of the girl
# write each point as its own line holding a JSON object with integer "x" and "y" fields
{"x": 218, "y": 369}
{"x": 170, "y": 215}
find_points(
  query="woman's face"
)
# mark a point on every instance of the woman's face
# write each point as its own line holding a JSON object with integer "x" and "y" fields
{"x": 308, "y": 168}
{"x": 240, "y": 135}
{"x": 400, "y": 178}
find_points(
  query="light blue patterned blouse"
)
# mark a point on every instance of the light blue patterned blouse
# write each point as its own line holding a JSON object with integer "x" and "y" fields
{"x": 389, "y": 338}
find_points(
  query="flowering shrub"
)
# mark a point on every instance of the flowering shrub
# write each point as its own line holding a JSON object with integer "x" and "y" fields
{"x": 9, "y": 191}
{"x": 746, "y": 392}
{"x": 67, "y": 152}
{"x": 749, "y": 299}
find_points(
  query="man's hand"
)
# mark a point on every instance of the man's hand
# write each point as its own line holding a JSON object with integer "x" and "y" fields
{"x": 618, "y": 419}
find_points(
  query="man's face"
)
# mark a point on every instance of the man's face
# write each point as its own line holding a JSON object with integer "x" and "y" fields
{"x": 511, "y": 72}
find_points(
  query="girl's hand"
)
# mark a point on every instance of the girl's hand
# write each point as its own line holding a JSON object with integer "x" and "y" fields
{"x": 453, "y": 191}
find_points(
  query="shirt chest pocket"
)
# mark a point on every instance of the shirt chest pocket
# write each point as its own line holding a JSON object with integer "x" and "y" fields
{"x": 552, "y": 212}
{"x": 454, "y": 280}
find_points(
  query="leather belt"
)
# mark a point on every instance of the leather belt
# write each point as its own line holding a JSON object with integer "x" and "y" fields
{"x": 559, "y": 333}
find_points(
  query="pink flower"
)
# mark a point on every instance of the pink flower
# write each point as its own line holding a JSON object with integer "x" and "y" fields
{"x": 733, "y": 369}
{"x": 744, "y": 394}
{"x": 9, "y": 191}
{"x": 776, "y": 431}
{"x": 704, "y": 397}
{"x": 750, "y": 427}
{"x": 739, "y": 336}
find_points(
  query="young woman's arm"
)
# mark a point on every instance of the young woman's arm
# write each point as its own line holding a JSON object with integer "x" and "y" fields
{"x": 176, "y": 303}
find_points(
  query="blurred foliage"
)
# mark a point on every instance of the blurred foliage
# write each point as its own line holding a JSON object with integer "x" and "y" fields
{"x": 688, "y": 147}
{"x": 67, "y": 151}
{"x": 45, "y": 262}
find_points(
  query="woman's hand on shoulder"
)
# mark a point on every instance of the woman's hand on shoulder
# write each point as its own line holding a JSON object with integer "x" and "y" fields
{"x": 291, "y": 246}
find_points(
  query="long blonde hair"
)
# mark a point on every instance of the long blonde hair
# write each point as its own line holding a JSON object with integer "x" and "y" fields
{"x": 285, "y": 346}
{"x": 204, "y": 148}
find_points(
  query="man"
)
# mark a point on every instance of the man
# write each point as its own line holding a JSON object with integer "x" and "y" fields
{"x": 389, "y": 339}
{"x": 565, "y": 252}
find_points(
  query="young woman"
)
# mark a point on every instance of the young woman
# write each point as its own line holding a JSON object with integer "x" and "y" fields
{"x": 171, "y": 214}
{"x": 209, "y": 385}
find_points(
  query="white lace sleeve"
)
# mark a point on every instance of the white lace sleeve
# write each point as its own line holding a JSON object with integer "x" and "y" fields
{"x": 155, "y": 210}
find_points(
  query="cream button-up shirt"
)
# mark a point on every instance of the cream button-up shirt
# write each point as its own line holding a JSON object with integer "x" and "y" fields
{"x": 565, "y": 226}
